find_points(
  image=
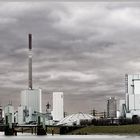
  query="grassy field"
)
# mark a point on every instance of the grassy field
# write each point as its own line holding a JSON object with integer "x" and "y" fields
{"x": 121, "y": 129}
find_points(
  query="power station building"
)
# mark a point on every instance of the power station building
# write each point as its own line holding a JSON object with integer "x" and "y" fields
{"x": 58, "y": 106}
{"x": 112, "y": 107}
{"x": 132, "y": 85}
{"x": 122, "y": 107}
{"x": 30, "y": 103}
{"x": 9, "y": 114}
{"x": 31, "y": 99}
{"x": 130, "y": 107}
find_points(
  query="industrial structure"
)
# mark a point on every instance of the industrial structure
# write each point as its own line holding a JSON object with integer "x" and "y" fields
{"x": 1, "y": 113}
{"x": 9, "y": 113}
{"x": 130, "y": 107}
{"x": 112, "y": 107}
{"x": 29, "y": 113}
{"x": 75, "y": 119}
{"x": 31, "y": 99}
{"x": 122, "y": 107}
{"x": 58, "y": 106}
{"x": 98, "y": 114}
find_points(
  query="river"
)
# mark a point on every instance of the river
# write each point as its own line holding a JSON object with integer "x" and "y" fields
{"x": 77, "y": 137}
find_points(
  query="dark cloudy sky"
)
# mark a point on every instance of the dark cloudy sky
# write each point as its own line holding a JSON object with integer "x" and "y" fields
{"x": 82, "y": 49}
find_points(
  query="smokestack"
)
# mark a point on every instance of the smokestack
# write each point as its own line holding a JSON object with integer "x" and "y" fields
{"x": 30, "y": 41}
{"x": 30, "y": 61}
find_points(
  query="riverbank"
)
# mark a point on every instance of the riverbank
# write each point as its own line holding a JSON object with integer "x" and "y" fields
{"x": 120, "y": 129}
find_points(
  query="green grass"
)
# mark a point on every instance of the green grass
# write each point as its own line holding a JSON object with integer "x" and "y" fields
{"x": 121, "y": 129}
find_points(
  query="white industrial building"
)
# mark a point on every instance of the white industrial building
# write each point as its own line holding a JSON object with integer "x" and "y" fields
{"x": 131, "y": 107}
{"x": 9, "y": 113}
{"x": 26, "y": 115}
{"x": 58, "y": 106}
{"x": 31, "y": 99}
{"x": 75, "y": 119}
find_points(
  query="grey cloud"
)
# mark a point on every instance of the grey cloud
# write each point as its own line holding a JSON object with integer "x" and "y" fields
{"x": 81, "y": 49}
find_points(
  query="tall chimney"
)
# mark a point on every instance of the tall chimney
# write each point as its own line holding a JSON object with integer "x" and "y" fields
{"x": 30, "y": 61}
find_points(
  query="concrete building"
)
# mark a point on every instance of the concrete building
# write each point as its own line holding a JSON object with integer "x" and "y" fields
{"x": 31, "y": 102}
{"x": 122, "y": 107}
{"x": 31, "y": 99}
{"x": 23, "y": 115}
{"x": 100, "y": 115}
{"x": 132, "y": 90}
{"x": 58, "y": 106}
{"x": 9, "y": 113}
{"x": 112, "y": 107}
{"x": 21, "y": 118}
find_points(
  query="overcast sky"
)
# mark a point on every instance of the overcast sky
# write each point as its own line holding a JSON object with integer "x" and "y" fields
{"x": 82, "y": 49}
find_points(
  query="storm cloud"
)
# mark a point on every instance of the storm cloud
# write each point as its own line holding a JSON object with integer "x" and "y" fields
{"x": 82, "y": 49}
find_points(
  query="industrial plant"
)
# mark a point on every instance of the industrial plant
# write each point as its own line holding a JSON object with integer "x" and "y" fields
{"x": 31, "y": 99}
{"x": 112, "y": 107}
{"x": 29, "y": 113}
{"x": 130, "y": 107}
{"x": 30, "y": 109}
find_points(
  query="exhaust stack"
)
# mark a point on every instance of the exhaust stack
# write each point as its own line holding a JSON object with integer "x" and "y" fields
{"x": 30, "y": 61}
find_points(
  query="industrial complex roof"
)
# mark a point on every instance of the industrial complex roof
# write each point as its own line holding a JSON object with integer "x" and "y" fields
{"x": 75, "y": 118}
